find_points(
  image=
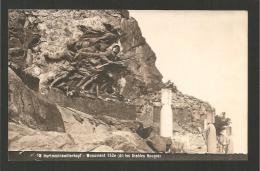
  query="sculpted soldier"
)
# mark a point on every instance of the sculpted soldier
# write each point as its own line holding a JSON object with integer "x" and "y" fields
{"x": 107, "y": 57}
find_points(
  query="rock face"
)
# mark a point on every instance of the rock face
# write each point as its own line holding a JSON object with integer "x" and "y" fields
{"x": 28, "y": 108}
{"x": 37, "y": 35}
{"x": 188, "y": 111}
{"x": 189, "y": 114}
{"x": 61, "y": 51}
{"x": 115, "y": 109}
{"x": 143, "y": 65}
{"x": 23, "y": 138}
{"x": 83, "y": 133}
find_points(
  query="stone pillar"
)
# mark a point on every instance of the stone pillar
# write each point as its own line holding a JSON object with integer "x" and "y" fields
{"x": 166, "y": 118}
{"x": 211, "y": 138}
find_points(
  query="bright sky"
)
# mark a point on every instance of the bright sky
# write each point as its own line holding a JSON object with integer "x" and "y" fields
{"x": 205, "y": 54}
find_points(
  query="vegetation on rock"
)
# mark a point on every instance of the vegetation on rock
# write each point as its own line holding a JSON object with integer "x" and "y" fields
{"x": 220, "y": 123}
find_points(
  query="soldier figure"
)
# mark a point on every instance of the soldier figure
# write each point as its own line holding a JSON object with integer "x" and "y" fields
{"x": 108, "y": 56}
{"x": 105, "y": 58}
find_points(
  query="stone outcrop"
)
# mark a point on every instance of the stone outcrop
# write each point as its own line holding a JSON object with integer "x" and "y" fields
{"x": 83, "y": 133}
{"x": 188, "y": 111}
{"x": 188, "y": 117}
{"x": 143, "y": 65}
{"x": 92, "y": 105}
{"x": 23, "y": 138}
{"x": 54, "y": 34}
{"x": 27, "y": 107}
{"x": 45, "y": 45}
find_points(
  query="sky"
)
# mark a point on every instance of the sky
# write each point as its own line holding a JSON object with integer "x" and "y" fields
{"x": 205, "y": 54}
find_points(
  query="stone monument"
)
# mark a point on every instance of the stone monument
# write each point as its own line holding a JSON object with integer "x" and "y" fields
{"x": 166, "y": 115}
{"x": 211, "y": 138}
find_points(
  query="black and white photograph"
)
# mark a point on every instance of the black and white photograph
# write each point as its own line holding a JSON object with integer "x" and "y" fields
{"x": 127, "y": 83}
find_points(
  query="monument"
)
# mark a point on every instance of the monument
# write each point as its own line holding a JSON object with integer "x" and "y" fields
{"x": 211, "y": 138}
{"x": 166, "y": 115}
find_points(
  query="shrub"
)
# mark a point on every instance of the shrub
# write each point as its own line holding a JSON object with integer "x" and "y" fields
{"x": 220, "y": 123}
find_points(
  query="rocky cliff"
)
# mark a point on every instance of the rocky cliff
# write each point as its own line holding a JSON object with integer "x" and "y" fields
{"x": 37, "y": 34}
{"x": 189, "y": 114}
{"x": 28, "y": 108}
{"x": 64, "y": 66}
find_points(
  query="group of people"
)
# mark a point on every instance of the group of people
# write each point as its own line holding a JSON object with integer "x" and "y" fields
{"x": 95, "y": 71}
{"x": 218, "y": 144}
{"x": 225, "y": 143}
{"x": 93, "y": 64}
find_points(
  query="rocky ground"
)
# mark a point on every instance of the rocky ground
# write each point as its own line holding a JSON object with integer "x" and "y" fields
{"x": 83, "y": 133}
{"x": 38, "y": 125}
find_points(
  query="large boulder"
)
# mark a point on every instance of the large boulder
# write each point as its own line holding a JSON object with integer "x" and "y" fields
{"x": 84, "y": 128}
{"x": 27, "y": 107}
{"x": 158, "y": 143}
{"x": 23, "y": 138}
{"x": 127, "y": 142}
{"x": 83, "y": 133}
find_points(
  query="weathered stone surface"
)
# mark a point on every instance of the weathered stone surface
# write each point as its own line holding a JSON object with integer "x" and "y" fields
{"x": 51, "y": 32}
{"x": 23, "y": 36}
{"x": 188, "y": 118}
{"x": 88, "y": 134}
{"x": 26, "y": 107}
{"x": 177, "y": 147}
{"x": 187, "y": 110}
{"x": 40, "y": 46}
{"x": 92, "y": 106}
{"x": 157, "y": 143}
{"x": 128, "y": 142}
{"x": 188, "y": 142}
{"x": 22, "y": 138}
{"x": 143, "y": 65}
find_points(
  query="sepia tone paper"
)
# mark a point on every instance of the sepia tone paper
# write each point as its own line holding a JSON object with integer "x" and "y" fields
{"x": 95, "y": 81}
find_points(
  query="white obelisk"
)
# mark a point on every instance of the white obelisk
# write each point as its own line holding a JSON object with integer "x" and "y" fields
{"x": 166, "y": 118}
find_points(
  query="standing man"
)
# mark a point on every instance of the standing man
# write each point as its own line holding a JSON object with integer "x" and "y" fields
{"x": 229, "y": 149}
{"x": 223, "y": 141}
